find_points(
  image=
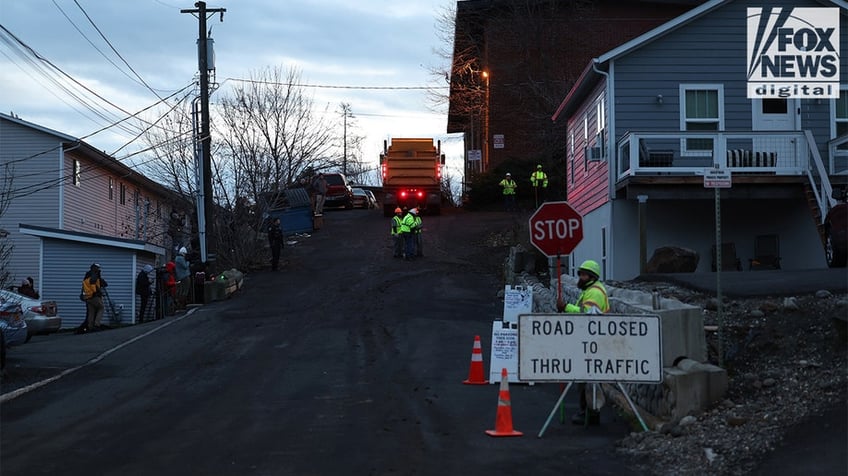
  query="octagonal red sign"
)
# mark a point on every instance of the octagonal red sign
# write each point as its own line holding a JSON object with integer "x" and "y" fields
{"x": 556, "y": 229}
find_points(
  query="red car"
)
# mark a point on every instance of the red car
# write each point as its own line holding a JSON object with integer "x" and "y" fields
{"x": 836, "y": 231}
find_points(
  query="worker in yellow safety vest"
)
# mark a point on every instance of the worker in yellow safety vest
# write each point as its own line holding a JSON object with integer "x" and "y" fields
{"x": 539, "y": 182}
{"x": 397, "y": 238}
{"x": 509, "y": 187}
{"x": 406, "y": 226}
{"x": 593, "y": 300}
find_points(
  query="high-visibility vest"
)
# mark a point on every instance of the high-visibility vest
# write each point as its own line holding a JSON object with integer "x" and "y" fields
{"x": 594, "y": 296}
{"x": 538, "y": 178}
{"x": 508, "y": 186}
{"x": 407, "y": 223}
{"x": 417, "y": 224}
{"x": 396, "y": 225}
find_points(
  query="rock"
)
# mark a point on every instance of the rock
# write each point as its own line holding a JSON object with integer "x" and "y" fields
{"x": 756, "y": 313}
{"x": 678, "y": 431}
{"x": 672, "y": 259}
{"x": 734, "y": 420}
{"x": 768, "y": 306}
{"x": 687, "y": 420}
{"x": 769, "y": 382}
{"x": 823, "y": 294}
{"x": 790, "y": 304}
{"x": 728, "y": 403}
{"x": 757, "y": 384}
{"x": 710, "y": 454}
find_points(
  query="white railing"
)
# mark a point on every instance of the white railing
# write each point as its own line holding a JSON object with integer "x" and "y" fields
{"x": 819, "y": 181}
{"x": 838, "y": 155}
{"x": 689, "y": 153}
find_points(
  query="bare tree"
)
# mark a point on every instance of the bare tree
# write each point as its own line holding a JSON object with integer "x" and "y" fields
{"x": 269, "y": 137}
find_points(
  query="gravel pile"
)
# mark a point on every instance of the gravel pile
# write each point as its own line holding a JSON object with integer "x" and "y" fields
{"x": 785, "y": 363}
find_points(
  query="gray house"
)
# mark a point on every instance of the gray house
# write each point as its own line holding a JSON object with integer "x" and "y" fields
{"x": 648, "y": 120}
{"x": 70, "y": 205}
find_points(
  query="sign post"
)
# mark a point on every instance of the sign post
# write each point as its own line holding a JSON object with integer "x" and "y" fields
{"x": 717, "y": 179}
{"x": 555, "y": 230}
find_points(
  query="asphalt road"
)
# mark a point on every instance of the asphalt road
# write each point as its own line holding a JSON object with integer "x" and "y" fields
{"x": 346, "y": 362}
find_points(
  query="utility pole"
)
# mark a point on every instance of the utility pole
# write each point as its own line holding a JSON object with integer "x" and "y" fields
{"x": 207, "y": 253}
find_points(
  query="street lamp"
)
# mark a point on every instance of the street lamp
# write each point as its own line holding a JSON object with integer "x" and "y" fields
{"x": 485, "y": 75}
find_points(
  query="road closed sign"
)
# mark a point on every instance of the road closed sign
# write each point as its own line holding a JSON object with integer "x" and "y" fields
{"x": 589, "y": 348}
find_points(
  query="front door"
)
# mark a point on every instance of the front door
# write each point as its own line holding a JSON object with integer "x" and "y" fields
{"x": 776, "y": 115}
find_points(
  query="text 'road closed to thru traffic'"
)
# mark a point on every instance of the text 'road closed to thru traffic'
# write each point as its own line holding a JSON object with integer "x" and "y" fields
{"x": 589, "y": 348}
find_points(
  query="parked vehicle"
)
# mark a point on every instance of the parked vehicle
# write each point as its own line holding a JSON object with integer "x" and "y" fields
{"x": 361, "y": 199}
{"x": 836, "y": 231}
{"x": 13, "y": 328}
{"x": 41, "y": 315}
{"x": 371, "y": 198}
{"x": 412, "y": 175}
{"x": 339, "y": 193}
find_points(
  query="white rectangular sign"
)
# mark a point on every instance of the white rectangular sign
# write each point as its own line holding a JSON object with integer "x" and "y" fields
{"x": 717, "y": 178}
{"x": 475, "y": 154}
{"x": 504, "y": 353}
{"x": 589, "y": 348}
{"x": 498, "y": 140}
{"x": 517, "y": 300}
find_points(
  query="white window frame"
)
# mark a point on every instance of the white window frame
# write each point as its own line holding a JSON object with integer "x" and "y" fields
{"x": 719, "y": 88}
{"x": 77, "y": 173}
{"x": 843, "y": 94}
{"x": 573, "y": 163}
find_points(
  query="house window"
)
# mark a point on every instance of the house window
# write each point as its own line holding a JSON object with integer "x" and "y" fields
{"x": 111, "y": 189}
{"x": 842, "y": 114}
{"x": 573, "y": 164}
{"x": 77, "y": 172}
{"x": 703, "y": 110}
{"x": 123, "y": 194}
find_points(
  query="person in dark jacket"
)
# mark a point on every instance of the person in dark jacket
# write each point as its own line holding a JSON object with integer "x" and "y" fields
{"x": 27, "y": 288}
{"x": 92, "y": 293}
{"x": 275, "y": 239}
{"x": 142, "y": 288}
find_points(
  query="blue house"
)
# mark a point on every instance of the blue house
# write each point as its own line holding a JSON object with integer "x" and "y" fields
{"x": 648, "y": 120}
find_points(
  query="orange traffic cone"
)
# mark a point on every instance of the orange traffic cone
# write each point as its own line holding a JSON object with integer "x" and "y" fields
{"x": 476, "y": 376}
{"x": 503, "y": 421}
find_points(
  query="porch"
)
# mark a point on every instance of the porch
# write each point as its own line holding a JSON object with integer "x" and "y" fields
{"x": 765, "y": 160}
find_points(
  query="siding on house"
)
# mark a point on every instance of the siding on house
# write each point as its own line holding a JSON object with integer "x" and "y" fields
{"x": 587, "y": 181}
{"x": 708, "y": 50}
{"x": 47, "y": 195}
{"x": 31, "y": 159}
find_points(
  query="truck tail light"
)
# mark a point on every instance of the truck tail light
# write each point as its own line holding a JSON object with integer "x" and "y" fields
{"x": 384, "y": 170}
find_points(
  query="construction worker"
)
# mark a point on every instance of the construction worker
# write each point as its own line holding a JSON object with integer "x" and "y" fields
{"x": 509, "y": 187}
{"x": 397, "y": 238}
{"x": 593, "y": 300}
{"x": 406, "y": 225}
{"x": 417, "y": 227}
{"x": 539, "y": 182}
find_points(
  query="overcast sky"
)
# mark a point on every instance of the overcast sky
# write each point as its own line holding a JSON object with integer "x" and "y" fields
{"x": 387, "y": 43}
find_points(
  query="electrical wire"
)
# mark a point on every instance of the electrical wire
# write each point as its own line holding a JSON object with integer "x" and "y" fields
{"x": 41, "y": 58}
{"x": 328, "y": 86}
{"x": 77, "y": 28}
{"x": 115, "y": 50}
{"x": 110, "y": 125}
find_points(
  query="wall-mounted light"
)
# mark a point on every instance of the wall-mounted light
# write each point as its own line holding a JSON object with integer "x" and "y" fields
{"x": 659, "y": 99}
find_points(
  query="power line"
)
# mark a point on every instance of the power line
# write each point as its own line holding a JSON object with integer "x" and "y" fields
{"x": 115, "y": 50}
{"x": 111, "y": 125}
{"x": 329, "y": 86}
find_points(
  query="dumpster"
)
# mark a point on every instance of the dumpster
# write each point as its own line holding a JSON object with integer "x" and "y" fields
{"x": 296, "y": 213}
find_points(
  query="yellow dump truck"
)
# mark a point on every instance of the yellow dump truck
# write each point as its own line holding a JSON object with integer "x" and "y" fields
{"x": 412, "y": 175}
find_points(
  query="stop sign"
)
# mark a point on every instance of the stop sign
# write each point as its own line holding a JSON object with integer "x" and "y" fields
{"x": 556, "y": 229}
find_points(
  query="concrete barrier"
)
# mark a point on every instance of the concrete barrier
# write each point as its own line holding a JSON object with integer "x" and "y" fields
{"x": 690, "y": 385}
